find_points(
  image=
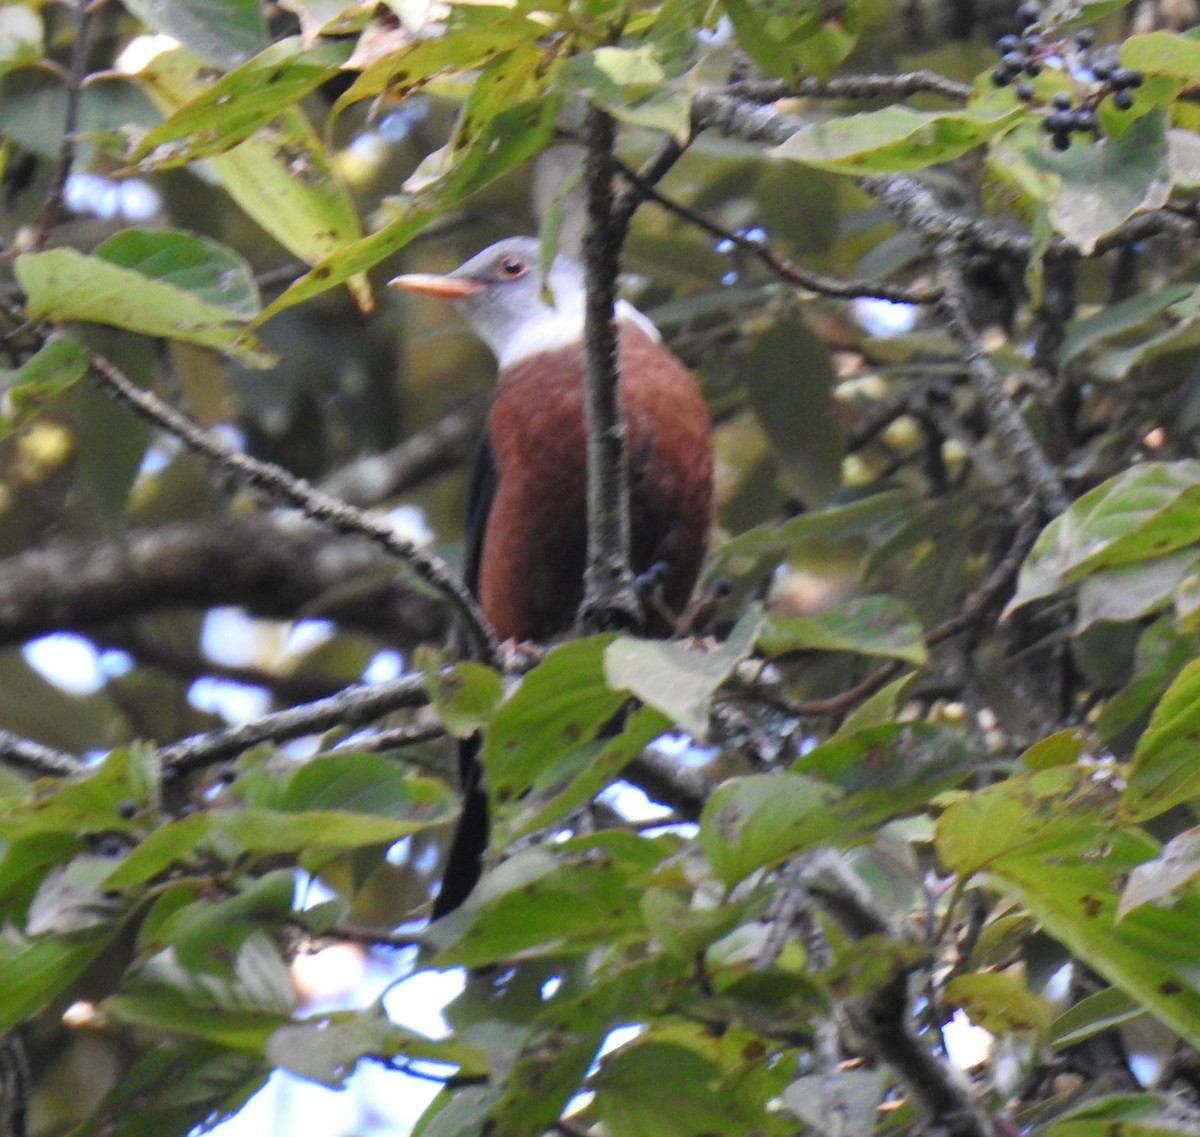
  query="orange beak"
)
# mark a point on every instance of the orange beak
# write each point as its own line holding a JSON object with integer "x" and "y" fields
{"x": 430, "y": 284}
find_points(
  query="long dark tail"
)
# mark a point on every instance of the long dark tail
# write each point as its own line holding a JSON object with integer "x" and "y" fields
{"x": 464, "y": 864}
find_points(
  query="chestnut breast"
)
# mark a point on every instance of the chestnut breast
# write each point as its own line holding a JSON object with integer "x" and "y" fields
{"x": 535, "y": 543}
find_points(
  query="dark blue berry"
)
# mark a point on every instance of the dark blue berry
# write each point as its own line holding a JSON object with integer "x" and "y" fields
{"x": 1013, "y": 60}
{"x": 1083, "y": 120}
{"x": 1056, "y": 122}
{"x": 1124, "y": 77}
{"x": 1085, "y": 38}
{"x": 1033, "y": 69}
{"x": 1001, "y": 77}
{"x": 1024, "y": 92}
{"x": 1027, "y": 14}
{"x": 1061, "y": 100}
{"x": 1007, "y": 43}
{"x": 1060, "y": 141}
{"x": 1122, "y": 100}
{"x": 1101, "y": 70}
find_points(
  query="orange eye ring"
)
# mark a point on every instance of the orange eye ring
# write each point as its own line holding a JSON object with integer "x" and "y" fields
{"x": 511, "y": 268}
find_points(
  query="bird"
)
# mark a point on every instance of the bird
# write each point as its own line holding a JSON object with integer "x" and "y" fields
{"x": 526, "y": 531}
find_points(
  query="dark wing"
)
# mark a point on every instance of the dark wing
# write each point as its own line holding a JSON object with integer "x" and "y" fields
{"x": 480, "y": 495}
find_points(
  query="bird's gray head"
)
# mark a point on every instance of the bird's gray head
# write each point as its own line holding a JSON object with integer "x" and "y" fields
{"x": 500, "y": 293}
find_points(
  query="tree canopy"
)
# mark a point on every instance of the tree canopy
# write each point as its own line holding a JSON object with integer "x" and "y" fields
{"x": 922, "y": 754}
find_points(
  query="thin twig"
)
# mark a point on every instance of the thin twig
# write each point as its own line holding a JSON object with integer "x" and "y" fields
{"x": 83, "y": 13}
{"x": 783, "y": 268}
{"x": 355, "y": 706}
{"x": 920, "y": 82}
{"x": 656, "y": 167}
{"x": 39, "y": 759}
{"x": 1011, "y": 429}
{"x": 609, "y": 598}
{"x": 276, "y": 481}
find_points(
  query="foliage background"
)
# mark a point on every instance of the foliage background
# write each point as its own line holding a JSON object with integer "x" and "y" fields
{"x": 934, "y": 760}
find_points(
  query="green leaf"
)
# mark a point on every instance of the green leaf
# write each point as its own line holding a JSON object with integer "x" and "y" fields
{"x": 208, "y": 935}
{"x": 1102, "y": 1011}
{"x": 465, "y": 696}
{"x": 870, "y": 625}
{"x": 794, "y": 38}
{"x": 221, "y": 32}
{"x": 1027, "y": 814}
{"x": 633, "y": 84}
{"x": 167, "y": 294}
{"x": 1129, "y": 592}
{"x": 754, "y": 822}
{"x": 34, "y": 972}
{"x": 999, "y": 1003}
{"x": 196, "y": 265}
{"x": 788, "y": 372}
{"x": 326, "y": 1049}
{"x": 240, "y": 1012}
{"x": 72, "y": 898}
{"x": 361, "y": 783}
{"x": 1090, "y": 190}
{"x": 1119, "y": 319}
{"x": 1163, "y": 53}
{"x": 661, "y": 1087}
{"x": 894, "y": 139}
{"x": 1158, "y": 879}
{"x": 1133, "y": 1115}
{"x": 282, "y": 180}
{"x": 1162, "y": 652}
{"x": 1147, "y": 511}
{"x": 52, "y": 369}
{"x": 1152, "y": 953}
{"x": 241, "y": 101}
{"x": 559, "y": 705}
{"x": 553, "y": 900}
{"x": 872, "y": 516}
{"x": 1164, "y": 771}
{"x": 678, "y": 679}
{"x": 580, "y": 773}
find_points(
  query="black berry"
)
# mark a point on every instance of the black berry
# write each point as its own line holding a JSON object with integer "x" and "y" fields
{"x": 1060, "y": 141}
{"x": 1001, "y": 77}
{"x": 1033, "y": 69}
{"x": 127, "y": 809}
{"x": 1061, "y": 100}
{"x": 1083, "y": 120}
{"x": 1013, "y": 60}
{"x": 1085, "y": 38}
{"x": 1025, "y": 92}
{"x": 1101, "y": 70}
{"x": 1056, "y": 122}
{"x": 1122, "y": 100}
{"x": 1027, "y": 14}
{"x": 1124, "y": 77}
{"x": 1007, "y": 43}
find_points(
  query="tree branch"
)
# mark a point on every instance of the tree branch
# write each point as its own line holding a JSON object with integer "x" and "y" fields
{"x": 281, "y": 485}
{"x": 1012, "y": 431}
{"x": 355, "y": 706}
{"x": 38, "y": 759}
{"x": 609, "y": 598}
{"x": 274, "y": 564}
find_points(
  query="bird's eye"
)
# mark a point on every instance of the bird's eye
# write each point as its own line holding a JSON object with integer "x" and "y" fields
{"x": 511, "y": 267}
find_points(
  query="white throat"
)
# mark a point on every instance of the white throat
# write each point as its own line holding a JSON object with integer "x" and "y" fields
{"x": 557, "y": 328}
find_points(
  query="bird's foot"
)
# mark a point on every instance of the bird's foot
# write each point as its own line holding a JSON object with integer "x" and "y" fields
{"x": 519, "y": 656}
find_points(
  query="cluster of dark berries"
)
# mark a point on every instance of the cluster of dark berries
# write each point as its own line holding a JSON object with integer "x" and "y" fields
{"x": 1064, "y": 120}
{"x": 1021, "y": 58}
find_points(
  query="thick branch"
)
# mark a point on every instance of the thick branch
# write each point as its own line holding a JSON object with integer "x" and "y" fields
{"x": 273, "y": 564}
{"x": 355, "y": 706}
{"x": 609, "y": 599}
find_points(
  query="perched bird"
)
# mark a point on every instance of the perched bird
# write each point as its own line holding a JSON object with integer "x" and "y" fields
{"x": 526, "y": 540}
